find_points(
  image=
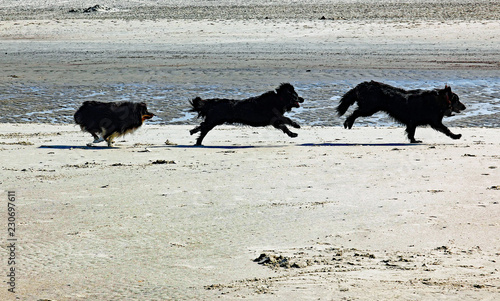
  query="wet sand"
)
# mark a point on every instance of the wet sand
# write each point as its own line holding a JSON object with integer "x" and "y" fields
{"x": 168, "y": 62}
{"x": 51, "y": 64}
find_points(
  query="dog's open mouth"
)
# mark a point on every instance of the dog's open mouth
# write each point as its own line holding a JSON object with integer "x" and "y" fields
{"x": 147, "y": 116}
{"x": 299, "y": 100}
{"x": 452, "y": 110}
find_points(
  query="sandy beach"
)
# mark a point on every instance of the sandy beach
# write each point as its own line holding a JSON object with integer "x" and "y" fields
{"x": 339, "y": 214}
{"x": 333, "y": 214}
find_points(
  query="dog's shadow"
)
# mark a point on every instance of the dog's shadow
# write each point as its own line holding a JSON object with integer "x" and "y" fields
{"x": 229, "y": 147}
{"x": 360, "y": 144}
{"x": 152, "y": 146}
{"x": 76, "y": 147}
{"x": 330, "y": 144}
{"x": 215, "y": 146}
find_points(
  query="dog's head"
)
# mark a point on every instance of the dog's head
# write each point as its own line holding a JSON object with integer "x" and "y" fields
{"x": 287, "y": 93}
{"x": 145, "y": 114}
{"x": 456, "y": 105}
{"x": 453, "y": 102}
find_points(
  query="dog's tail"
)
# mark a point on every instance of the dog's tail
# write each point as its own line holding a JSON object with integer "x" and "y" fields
{"x": 200, "y": 106}
{"x": 347, "y": 100}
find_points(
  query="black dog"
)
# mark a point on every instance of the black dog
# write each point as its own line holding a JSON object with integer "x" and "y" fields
{"x": 412, "y": 108}
{"x": 111, "y": 119}
{"x": 266, "y": 109}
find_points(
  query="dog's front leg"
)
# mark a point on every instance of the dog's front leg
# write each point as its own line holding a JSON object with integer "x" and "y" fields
{"x": 97, "y": 139}
{"x": 285, "y": 130}
{"x": 445, "y": 130}
{"x": 410, "y": 130}
{"x": 287, "y": 120}
{"x": 278, "y": 117}
{"x": 278, "y": 121}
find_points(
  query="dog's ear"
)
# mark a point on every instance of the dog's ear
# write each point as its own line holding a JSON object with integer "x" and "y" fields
{"x": 285, "y": 87}
{"x": 143, "y": 108}
{"x": 445, "y": 94}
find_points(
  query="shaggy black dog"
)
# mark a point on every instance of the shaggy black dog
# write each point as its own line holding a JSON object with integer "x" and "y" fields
{"x": 111, "y": 119}
{"x": 412, "y": 108}
{"x": 263, "y": 110}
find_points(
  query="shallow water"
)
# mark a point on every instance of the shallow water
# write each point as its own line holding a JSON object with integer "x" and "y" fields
{"x": 49, "y": 103}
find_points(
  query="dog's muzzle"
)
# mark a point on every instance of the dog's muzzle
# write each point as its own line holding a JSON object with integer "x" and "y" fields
{"x": 299, "y": 100}
{"x": 458, "y": 109}
{"x": 147, "y": 116}
{"x": 456, "y": 105}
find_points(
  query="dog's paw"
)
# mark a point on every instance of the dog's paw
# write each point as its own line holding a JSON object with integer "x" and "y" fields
{"x": 293, "y": 135}
{"x": 295, "y": 125}
{"x": 458, "y": 136}
{"x": 347, "y": 124}
{"x": 415, "y": 141}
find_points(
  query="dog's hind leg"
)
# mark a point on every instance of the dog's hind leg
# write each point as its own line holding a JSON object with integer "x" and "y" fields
{"x": 204, "y": 129}
{"x": 445, "y": 130}
{"x": 200, "y": 138}
{"x": 360, "y": 112}
{"x": 195, "y": 130}
{"x": 110, "y": 139}
{"x": 350, "y": 120}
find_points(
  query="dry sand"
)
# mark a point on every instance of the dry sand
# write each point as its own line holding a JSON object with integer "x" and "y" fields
{"x": 337, "y": 214}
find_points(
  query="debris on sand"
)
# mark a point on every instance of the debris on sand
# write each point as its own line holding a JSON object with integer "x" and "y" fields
{"x": 163, "y": 162}
{"x": 92, "y": 9}
{"x": 275, "y": 262}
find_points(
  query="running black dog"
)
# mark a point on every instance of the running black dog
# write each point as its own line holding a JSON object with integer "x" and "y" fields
{"x": 266, "y": 109}
{"x": 111, "y": 119}
{"x": 412, "y": 108}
